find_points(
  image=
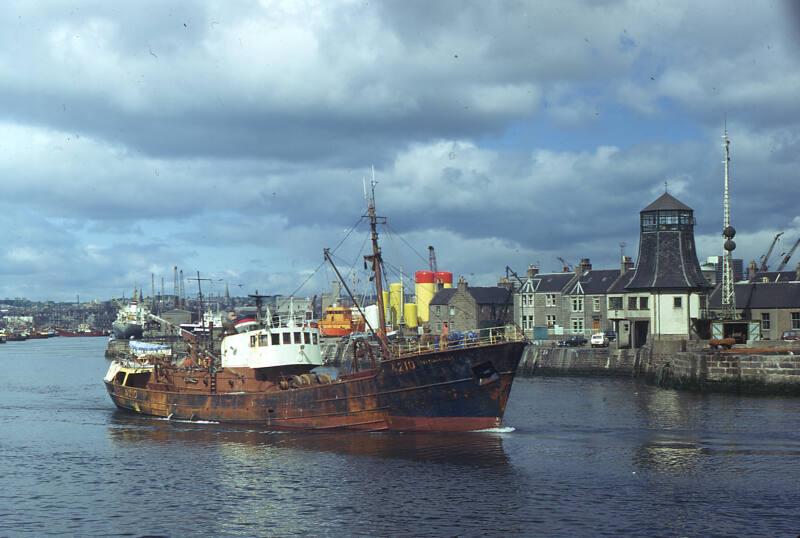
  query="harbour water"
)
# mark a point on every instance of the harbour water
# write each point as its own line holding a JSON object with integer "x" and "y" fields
{"x": 580, "y": 456}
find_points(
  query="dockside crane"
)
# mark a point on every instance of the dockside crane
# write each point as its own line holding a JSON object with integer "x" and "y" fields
{"x": 765, "y": 258}
{"x": 788, "y": 255}
{"x": 511, "y": 272}
{"x": 567, "y": 267}
{"x": 432, "y": 259}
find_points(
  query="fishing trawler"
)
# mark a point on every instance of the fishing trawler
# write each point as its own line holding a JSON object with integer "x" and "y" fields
{"x": 269, "y": 373}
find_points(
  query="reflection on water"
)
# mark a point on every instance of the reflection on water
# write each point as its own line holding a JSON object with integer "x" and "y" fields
{"x": 482, "y": 449}
{"x": 586, "y": 457}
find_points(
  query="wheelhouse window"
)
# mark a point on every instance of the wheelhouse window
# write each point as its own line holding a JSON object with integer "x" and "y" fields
{"x": 306, "y": 338}
{"x": 263, "y": 340}
{"x": 253, "y": 340}
{"x": 315, "y": 338}
{"x": 276, "y": 339}
{"x": 287, "y": 338}
{"x": 298, "y": 337}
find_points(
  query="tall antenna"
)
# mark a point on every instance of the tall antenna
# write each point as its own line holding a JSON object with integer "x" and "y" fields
{"x": 728, "y": 232}
{"x": 175, "y": 284}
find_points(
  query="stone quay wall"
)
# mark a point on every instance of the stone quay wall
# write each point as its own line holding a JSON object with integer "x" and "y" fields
{"x": 566, "y": 361}
{"x": 670, "y": 364}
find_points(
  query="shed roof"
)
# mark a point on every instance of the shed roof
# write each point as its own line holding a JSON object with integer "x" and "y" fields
{"x": 761, "y": 295}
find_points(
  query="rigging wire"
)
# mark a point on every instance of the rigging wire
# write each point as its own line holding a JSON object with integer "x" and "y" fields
{"x": 390, "y": 229}
{"x": 323, "y": 261}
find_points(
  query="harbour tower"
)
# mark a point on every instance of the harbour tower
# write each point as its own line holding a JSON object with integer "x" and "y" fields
{"x": 667, "y": 294}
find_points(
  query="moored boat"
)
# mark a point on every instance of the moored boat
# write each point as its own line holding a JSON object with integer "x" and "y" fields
{"x": 131, "y": 319}
{"x": 340, "y": 321}
{"x": 82, "y": 330}
{"x": 269, "y": 373}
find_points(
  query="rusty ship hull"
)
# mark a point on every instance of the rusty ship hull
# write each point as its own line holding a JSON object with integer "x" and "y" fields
{"x": 446, "y": 390}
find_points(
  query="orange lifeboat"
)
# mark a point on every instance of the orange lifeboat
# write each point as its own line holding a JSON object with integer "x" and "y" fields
{"x": 340, "y": 321}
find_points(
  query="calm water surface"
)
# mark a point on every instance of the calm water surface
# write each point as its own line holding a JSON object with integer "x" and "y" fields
{"x": 586, "y": 457}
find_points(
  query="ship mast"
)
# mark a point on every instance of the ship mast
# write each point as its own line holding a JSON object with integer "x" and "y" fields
{"x": 377, "y": 261}
{"x": 728, "y": 232}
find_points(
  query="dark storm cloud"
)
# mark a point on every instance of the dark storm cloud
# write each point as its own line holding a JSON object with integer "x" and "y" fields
{"x": 143, "y": 135}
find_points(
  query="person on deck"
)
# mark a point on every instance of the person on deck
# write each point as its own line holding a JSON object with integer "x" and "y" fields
{"x": 444, "y": 336}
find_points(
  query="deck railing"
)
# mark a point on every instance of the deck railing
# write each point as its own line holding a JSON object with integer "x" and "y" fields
{"x": 460, "y": 340}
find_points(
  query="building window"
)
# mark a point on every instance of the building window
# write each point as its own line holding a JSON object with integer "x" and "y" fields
{"x": 595, "y": 304}
{"x": 527, "y": 299}
{"x": 615, "y": 303}
{"x": 438, "y": 326}
{"x": 527, "y": 322}
{"x": 632, "y": 303}
{"x": 550, "y": 299}
{"x": 642, "y": 303}
{"x": 795, "y": 320}
{"x": 452, "y": 311}
{"x": 577, "y": 304}
{"x": 551, "y": 321}
{"x": 765, "y": 321}
{"x": 437, "y": 310}
{"x": 577, "y": 325}
{"x": 677, "y": 302}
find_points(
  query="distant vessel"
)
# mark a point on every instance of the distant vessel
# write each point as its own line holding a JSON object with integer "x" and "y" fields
{"x": 83, "y": 330}
{"x": 340, "y": 321}
{"x": 270, "y": 375}
{"x": 131, "y": 320}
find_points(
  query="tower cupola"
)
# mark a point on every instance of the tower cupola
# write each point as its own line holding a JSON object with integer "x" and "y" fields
{"x": 667, "y": 255}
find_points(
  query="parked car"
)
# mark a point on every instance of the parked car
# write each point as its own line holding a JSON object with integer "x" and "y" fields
{"x": 573, "y": 341}
{"x": 611, "y": 335}
{"x": 790, "y": 335}
{"x": 599, "y": 340}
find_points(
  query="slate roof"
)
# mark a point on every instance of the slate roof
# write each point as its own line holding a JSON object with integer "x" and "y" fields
{"x": 552, "y": 282}
{"x": 667, "y": 202}
{"x": 482, "y": 295}
{"x": 618, "y": 286}
{"x": 761, "y": 295}
{"x": 667, "y": 260}
{"x": 596, "y": 282}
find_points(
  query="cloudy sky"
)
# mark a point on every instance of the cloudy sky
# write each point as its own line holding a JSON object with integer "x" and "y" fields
{"x": 232, "y": 138}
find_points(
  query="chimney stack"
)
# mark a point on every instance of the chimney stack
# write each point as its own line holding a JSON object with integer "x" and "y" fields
{"x": 532, "y": 271}
{"x": 626, "y": 265}
{"x": 797, "y": 272}
{"x": 584, "y": 267}
{"x": 462, "y": 284}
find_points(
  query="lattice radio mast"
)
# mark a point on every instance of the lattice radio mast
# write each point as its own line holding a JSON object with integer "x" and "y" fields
{"x": 728, "y": 232}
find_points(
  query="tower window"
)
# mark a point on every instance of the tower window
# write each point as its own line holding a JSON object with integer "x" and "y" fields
{"x": 678, "y": 302}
